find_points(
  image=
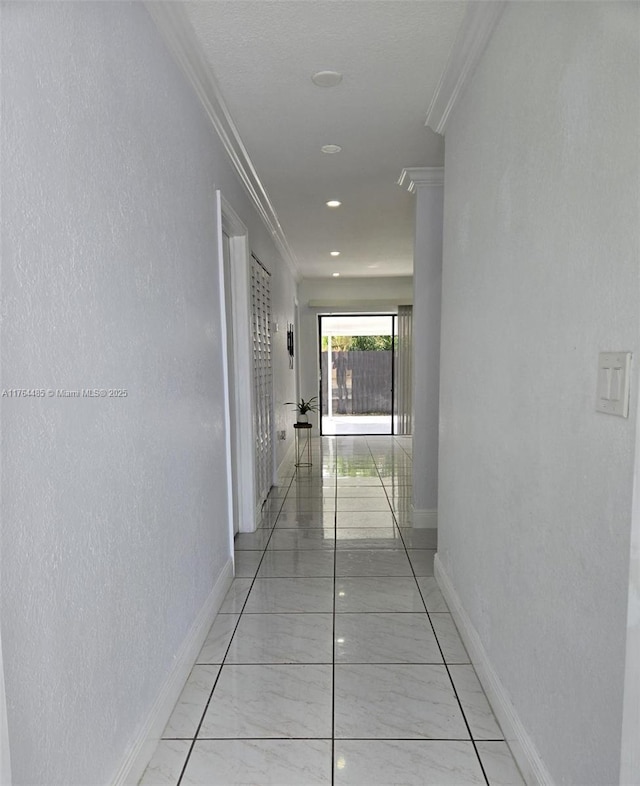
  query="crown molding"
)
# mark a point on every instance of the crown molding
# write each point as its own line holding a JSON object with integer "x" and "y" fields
{"x": 171, "y": 20}
{"x": 416, "y": 177}
{"x": 478, "y": 24}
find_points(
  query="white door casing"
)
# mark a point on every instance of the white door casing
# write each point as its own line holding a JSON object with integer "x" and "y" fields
{"x": 240, "y": 367}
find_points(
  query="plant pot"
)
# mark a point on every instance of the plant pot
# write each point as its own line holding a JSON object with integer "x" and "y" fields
{"x": 303, "y": 418}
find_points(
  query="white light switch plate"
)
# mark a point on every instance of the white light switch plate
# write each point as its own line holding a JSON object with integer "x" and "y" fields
{"x": 613, "y": 383}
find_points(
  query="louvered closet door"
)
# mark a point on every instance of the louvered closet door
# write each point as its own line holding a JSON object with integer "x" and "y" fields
{"x": 262, "y": 377}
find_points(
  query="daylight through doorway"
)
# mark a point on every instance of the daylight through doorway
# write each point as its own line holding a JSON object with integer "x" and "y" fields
{"x": 356, "y": 373}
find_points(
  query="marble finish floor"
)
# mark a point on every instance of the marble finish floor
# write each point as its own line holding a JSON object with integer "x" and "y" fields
{"x": 334, "y": 659}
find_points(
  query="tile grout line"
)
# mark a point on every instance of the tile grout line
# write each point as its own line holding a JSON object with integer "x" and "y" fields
{"x": 333, "y": 664}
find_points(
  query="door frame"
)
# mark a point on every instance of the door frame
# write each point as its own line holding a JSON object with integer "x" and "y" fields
{"x": 238, "y": 367}
{"x": 355, "y": 314}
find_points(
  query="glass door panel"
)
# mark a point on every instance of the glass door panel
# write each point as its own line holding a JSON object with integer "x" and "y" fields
{"x": 356, "y": 369}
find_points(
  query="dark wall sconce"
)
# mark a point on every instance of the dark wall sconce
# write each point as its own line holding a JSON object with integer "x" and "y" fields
{"x": 290, "y": 348}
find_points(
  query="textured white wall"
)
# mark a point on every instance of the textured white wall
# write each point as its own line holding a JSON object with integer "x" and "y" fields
{"x": 114, "y": 525}
{"x": 541, "y": 268}
{"x": 348, "y": 295}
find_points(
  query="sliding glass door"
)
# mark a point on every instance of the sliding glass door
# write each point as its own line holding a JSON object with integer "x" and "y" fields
{"x": 357, "y": 372}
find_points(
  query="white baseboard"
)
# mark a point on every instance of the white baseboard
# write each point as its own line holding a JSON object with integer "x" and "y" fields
{"x": 424, "y": 519}
{"x": 524, "y": 751}
{"x": 146, "y": 741}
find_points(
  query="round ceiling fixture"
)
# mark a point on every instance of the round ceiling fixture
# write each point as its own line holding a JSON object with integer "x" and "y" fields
{"x": 331, "y": 148}
{"x": 335, "y": 253}
{"x": 326, "y": 78}
{"x": 333, "y": 203}
{"x": 335, "y": 275}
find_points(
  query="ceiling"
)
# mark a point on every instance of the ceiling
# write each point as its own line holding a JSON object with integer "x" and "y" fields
{"x": 391, "y": 53}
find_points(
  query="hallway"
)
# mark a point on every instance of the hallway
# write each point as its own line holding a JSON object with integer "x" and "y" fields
{"x": 334, "y": 644}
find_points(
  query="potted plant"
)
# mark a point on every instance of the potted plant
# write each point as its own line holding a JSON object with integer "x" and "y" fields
{"x": 303, "y": 407}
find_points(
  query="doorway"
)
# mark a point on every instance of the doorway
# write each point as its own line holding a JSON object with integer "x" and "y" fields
{"x": 356, "y": 374}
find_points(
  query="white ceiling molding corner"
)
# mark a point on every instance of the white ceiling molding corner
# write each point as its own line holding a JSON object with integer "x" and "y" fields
{"x": 416, "y": 177}
{"x": 172, "y": 22}
{"x": 479, "y": 22}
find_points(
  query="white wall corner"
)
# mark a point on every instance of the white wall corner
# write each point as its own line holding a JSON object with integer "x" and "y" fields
{"x": 171, "y": 20}
{"x": 146, "y": 740}
{"x": 424, "y": 519}
{"x": 416, "y": 177}
{"x": 524, "y": 751}
{"x": 478, "y": 24}
{"x": 630, "y": 749}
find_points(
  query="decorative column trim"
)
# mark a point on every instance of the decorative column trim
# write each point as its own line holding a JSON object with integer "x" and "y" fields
{"x": 478, "y": 24}
{"x": 174, "y": 26}
{"x": 416, "y": 177}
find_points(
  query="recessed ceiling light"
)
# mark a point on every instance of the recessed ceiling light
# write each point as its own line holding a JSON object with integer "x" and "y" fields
{"x": 333, "y": 203}
{"x": 335, "y": 275}
{"x": 335, "y": 253}
{"x": 326, "y": 78}
{"x": 371, "y": 266}
{"x": 331, "y": 148}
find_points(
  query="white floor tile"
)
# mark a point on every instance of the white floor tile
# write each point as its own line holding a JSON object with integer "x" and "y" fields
{"x": 385, "y": 638}
{"x": 396, "y": 701}
{"x": 368, "y": 538}
{"x": 380, "y": 517}
{"x": 246, "y": 563}
{"x": 419, "y": 538}
{"x": 397, "y": 594}
{"x": 271, "y": 596}
{"x": 215, "y": 646}
{"x": 313, "y": 538}
{"x": 449, "y": 638}
{"x": 187, "y": 713}
{"x": 499, "y": 764}
{"x": 433, "y": 598}
{"x": 271, "y": 648}
{"x": 373, "y": 562}
{"x": 270, "y": 701}
{"x": 303, "y": 504}
{"x": 166, "y": 764}
{"x": 290, "y": 564}
{"x": 377, "y": 503}
{"x": 422, "y": 561}
{"x": 283, "y": 638}
{"x": 358, "y": 482}
{"x": 475, "y": 706}
{"x": 360, "y": 491}
{"x": 259, "y": 763}
{"x": 406, "y": 762}
{"x": 252, "y": 540}
{"x": 236, "y": 596}
{"x": 305, "y": 521}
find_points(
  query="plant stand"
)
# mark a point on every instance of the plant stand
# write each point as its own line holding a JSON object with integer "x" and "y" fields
{"x": 303, "y": 444}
